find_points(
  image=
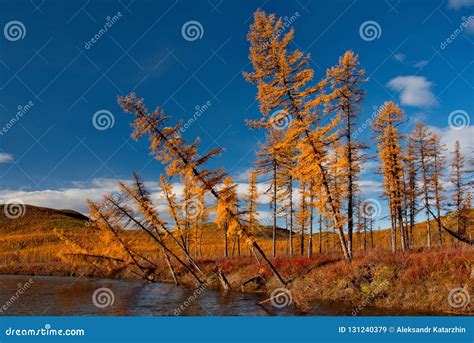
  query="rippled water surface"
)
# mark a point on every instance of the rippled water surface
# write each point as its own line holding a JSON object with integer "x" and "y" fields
{"x": 57, "y": 296}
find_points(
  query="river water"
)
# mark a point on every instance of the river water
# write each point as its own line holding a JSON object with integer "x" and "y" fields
{"x": 63, "y": 296}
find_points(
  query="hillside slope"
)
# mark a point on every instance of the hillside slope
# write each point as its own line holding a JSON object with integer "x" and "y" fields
{"x": 28, "y": 217}
{"x": 45, "y": 241}
{"x": 38, "y": 231}
{"x": 32, "y": 237}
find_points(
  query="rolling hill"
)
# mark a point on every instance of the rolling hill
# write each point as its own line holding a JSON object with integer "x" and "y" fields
{"x": 37, "y": 237}
{"x": 45, "y": 241}
{"x": 35, "y": 218}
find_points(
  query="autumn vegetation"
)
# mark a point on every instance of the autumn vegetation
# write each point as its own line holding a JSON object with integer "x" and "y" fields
{"x": 322, "y": 241}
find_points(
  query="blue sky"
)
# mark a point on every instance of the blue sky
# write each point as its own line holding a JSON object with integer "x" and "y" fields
{"x": 54, "y": 156}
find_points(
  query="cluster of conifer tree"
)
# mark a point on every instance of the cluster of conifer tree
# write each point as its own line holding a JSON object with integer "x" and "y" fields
{"x": 310, "y": 150}
{"x": 311, "y": 130}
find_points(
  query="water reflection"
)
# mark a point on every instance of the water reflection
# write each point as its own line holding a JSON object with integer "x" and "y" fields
{"x": 63, "y": 296}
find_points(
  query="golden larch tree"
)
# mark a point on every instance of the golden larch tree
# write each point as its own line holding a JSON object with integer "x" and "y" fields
{"x": 224, "y": 219}
{"x": 389, "y": 140}
{"x": 303, "y": 214}
{"x": 283, "y": 82}
{"x": 252, "y": 199}
{"x": 268, "y": 164}
{"x": 183, "y": 159}
{"x": 345, "y": 81}
{"x": 457, "y": 178}
{"x": 438, "y": 173}
{"x": 421, "y": 139}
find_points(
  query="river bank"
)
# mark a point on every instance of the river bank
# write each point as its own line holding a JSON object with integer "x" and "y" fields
{"x": 420, "y": 282}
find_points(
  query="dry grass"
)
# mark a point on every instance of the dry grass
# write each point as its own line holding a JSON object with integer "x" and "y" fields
{"x": 420, "y": 279}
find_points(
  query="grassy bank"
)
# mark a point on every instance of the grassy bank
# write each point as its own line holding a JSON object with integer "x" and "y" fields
{"x": 416, "y": 281}
{"x": 420, "y": 280}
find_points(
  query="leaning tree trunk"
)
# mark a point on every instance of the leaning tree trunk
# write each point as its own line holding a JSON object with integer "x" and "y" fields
{"x": 291, "y": 217}
{"x": 274, "y": 212}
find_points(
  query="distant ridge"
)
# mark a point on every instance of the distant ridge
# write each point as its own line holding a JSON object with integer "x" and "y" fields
{"x": 29, "y": 217}
{"x": 46, "y": 219}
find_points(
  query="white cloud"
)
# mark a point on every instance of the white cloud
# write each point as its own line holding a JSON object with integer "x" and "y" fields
{"x": 450, "y": 136}
{"x": 400, "y": 57}
{"x": 242, "y": 189}
{"x": 262, "y": 187}
{"x": 243, "y": 176}
{"x": 416, "y": 117}
{"x": 67, "y": 198}
{"x": 414, "y": 90}
{"x": 369, "y": 166}
{"x": 421, "y": 64}
{"x": 457, "y": 4}
{"x": 370, "y": 187}
{"x": 75, "y": 197}
{"x": 265, "y": 217}
{"x": 470, "y": 27}
{"x": 5, "y": 158}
